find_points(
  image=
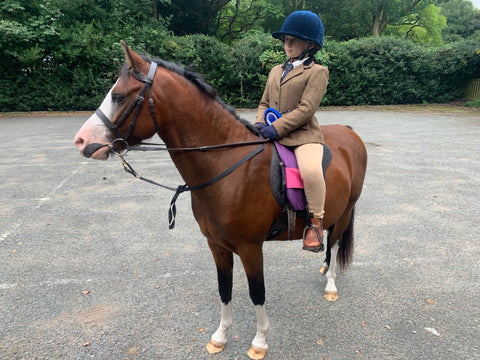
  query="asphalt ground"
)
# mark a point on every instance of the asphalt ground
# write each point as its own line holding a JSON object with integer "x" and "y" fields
{"x": 89, "y": 269}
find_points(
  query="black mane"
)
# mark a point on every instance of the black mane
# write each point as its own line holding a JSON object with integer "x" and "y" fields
{"x": 197, "y": 80}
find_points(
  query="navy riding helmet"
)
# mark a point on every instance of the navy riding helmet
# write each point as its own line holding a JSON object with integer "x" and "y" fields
{"x": 304, "y": 25}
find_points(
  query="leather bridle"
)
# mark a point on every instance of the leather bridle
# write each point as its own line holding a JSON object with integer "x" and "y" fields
{"x": 135, "y": 105}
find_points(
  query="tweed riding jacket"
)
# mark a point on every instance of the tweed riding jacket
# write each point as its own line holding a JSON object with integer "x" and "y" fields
{"x": 297, "y": 98}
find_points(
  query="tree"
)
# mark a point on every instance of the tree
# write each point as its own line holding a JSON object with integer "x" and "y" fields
{"x": 239, "y": 17}
{"x": 345, "y": 19}
{"x": 463, "y": 20}
{"x": 26, "y": 29}
{"x": 424, "y": 27}
{"x": 394, "y": 12}
{"x": 192, "y": 16}
{"x": 59, "y": 54}
{"x": 349, "y": 19}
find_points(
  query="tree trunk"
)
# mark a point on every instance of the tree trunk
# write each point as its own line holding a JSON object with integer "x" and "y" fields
{"x": 379, "y": 21}
{"x": 155, "y": 9}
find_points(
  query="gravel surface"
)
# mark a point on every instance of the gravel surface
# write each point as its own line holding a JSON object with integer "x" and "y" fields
{"x": 89, "y": 269}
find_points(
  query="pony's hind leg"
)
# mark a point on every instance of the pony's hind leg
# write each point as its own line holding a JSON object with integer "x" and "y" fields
{"x": 328, "y": 254}
{"x": 341, "y": 250}
{"x": 224, "y": 261}
{"x": 331, "y": 293}
{"x": 329, "y": 268}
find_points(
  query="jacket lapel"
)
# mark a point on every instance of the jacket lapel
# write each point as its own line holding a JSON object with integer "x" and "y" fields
{"x": 295, "y": 72}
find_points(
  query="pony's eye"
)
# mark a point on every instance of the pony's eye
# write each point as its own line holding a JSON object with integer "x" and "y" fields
{"x": 118, "y": 98}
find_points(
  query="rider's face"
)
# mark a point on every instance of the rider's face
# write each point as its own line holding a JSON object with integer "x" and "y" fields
{"x": 294, "y": 46}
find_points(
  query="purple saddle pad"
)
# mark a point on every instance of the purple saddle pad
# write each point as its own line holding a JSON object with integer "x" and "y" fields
{"x": 294, "y": 190}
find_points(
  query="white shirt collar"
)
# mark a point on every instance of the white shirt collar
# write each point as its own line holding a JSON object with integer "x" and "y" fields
{"x": 298, "y": 62}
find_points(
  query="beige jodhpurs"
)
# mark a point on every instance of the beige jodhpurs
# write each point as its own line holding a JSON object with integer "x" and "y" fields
{"x": 309, "y": 159}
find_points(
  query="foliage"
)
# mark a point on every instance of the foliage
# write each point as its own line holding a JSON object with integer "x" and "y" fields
{"x": 463, "y": 21}
{"x": 65, "y": 54}
{"x": 394, "y": 71}
{"x": 424, "y": 27}
{"x": 192, "y": 16}
{"x": 228, "y": 20}
{"x": 239, "y": 16}
{"x": 473, "y": 103}
{"x": 346, "y": 19}
{"x": 238, "y": 72}
{"x": 204, "y": 55}
{"x": 254, "y": 56}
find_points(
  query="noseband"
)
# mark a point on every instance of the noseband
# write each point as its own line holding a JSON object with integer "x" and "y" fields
{"x": 136, "y": 104}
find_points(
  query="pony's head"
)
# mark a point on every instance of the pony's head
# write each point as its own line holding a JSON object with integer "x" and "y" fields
{"x": 129, "y": 114}
{"x": 114, "y": 123}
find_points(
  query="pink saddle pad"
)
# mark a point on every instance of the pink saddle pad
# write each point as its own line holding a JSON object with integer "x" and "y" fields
{"x": 293, "y": 179}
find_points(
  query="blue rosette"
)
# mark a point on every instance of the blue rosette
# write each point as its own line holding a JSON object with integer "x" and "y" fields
{"x": 271, "y": 115}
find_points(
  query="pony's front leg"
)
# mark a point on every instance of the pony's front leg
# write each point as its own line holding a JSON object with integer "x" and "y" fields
{"x": 259, "y": 346}
{"x": 224, "y": 262}
{"x": 331, "y": 293}
{"x": 253, "y": 265}
{"x": 219, "y": 338}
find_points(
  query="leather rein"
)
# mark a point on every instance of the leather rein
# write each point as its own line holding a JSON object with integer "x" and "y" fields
{"x": 122, "y": 138}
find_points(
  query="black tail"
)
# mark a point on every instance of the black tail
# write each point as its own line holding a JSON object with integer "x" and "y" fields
{"x": 345, "y": 250}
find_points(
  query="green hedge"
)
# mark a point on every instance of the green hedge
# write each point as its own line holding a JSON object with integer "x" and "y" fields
{"x": 368, "y": 71}
{"x": 388, "y": 70}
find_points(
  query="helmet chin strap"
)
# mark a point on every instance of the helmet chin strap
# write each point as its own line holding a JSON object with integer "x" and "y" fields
{"x": 304, "y": 52}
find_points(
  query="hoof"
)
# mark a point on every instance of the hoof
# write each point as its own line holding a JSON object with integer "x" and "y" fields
{"x": 331, "y": 295}
{"x": 214, "y": 347}
{"x": 324, "y": 269}
{"x": 256, "y": 354}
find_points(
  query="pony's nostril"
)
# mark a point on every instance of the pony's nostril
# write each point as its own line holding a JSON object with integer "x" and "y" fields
{"x": 79, "y": 141}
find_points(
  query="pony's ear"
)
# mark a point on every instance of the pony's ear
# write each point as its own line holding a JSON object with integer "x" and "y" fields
{"x": 131, "y": 56}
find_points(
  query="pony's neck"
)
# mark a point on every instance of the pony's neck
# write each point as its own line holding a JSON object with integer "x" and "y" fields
{"x": 193, "y": 120}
